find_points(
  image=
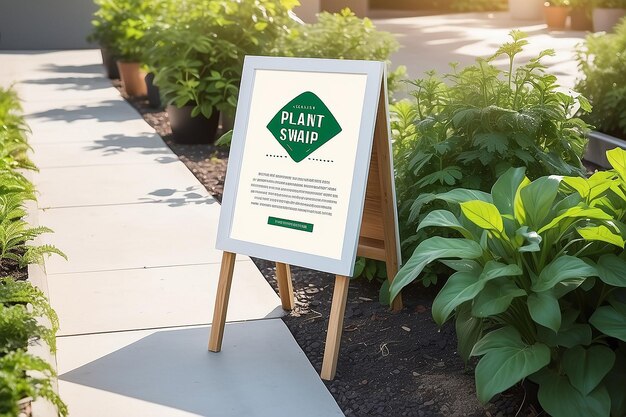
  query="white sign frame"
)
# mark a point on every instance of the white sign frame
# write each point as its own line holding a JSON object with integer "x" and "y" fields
{"x": 375, "y": 73}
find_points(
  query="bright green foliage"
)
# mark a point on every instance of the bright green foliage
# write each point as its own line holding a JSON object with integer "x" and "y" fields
{"x": 539, "y": 288}
{"x": 342, "y": 35}
{"x": 24, "y": 375}
{"x": 21, "y": 304}
{"x": 601, "y": 59}
{"x": 198, "y": 57}
{"x": 470, "y": 126}
{"x": 478, "y": 5}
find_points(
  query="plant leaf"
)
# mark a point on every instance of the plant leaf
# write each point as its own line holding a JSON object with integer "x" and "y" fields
{"x": 484, "y": 215}
{"x": 504, "y": 190}
{"x": 560, "y": 399}
{"x": 538, "y": 199}
{"x": 610, "y": 321}
{"x": 468, "y": 330}
{"x": 615, "y": 385}
{"x": 562, "y": 268}
{"x": 617, "y": 159}
{"x": 506, "y": 361}
{"x": 601, "y": 233}
{"x": 544, "y": 309}
{"x": 443, "y": 218}
{"x": 611, "y": 270}
{"x": 575, "y": 213}
{"x": 586, "y": 368}
{"x": 496, "y": 297}
{"x": 428, "y": 251}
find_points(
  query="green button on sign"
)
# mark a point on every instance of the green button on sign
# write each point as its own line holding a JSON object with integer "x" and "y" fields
{"x": 290, "y": 224}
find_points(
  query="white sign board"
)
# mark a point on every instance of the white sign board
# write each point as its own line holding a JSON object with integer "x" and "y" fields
{"x": 299, "y": 161}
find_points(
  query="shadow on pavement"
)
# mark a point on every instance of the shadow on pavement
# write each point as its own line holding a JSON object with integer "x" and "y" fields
{"x": 104, "y": 111}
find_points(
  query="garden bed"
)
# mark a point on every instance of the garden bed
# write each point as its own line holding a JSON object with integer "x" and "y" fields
{"x": 390, "y": 364}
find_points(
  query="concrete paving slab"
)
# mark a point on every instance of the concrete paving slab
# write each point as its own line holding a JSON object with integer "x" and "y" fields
{"x": 103, "y": 238}
{"x": 432, "y": 42}
{"x": 261, "y": 372}
{"x": 111, "y": 301}
{"x": 110, "y": 149}
{"x": 60, "y": 88}
{"x": 133, "y": 183}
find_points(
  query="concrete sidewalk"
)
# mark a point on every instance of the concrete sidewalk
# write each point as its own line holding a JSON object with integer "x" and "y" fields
{"x": 136, "y": 296}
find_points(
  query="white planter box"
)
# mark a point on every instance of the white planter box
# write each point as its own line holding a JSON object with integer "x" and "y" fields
{"x": 598, "y": 144}
{"x": 604, "y": 20}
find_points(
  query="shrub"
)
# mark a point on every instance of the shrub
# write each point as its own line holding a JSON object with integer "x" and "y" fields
{"x": 601, "y": 59}
{"x": 539, "y": 289}
{"x": 469, "y": 131}
{"x": 199, "y": 58}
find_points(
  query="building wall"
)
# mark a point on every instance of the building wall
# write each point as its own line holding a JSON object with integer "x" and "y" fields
{"x": 45, "y": 24}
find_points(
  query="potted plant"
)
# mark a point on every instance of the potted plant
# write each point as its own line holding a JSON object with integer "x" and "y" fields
{"x": 538, "y": 288}
{"x": 580, "y": 15}
{"x": 556, "y": 12}
{"x": 607, "y": 13}
{"x": 600, "y": 59}
{"x": 198, "y": 59}
{"x": 103, "y": 33}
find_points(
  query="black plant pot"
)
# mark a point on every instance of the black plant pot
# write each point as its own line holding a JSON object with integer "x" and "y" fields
{"x": 109, "y": 62}
{"x": 580, "y": 19}
{"x": 154, "y": 99}
{"x": 192, "y": 130}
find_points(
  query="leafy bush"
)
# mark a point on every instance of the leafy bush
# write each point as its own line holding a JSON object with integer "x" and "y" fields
{"x": 469, "y": 131}
{"x": 199, "y": 58}
{"x": 21, "y": 305}
{"x": 342, "y": 36}
{"x": 539, "y": 289}
{"x": 478, "y": 5}
{"x": 601, "y": 59}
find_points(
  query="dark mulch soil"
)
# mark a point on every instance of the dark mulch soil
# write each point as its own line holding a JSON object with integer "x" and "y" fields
{"x": 390, "y": 364}
{"x": 11, "y": 268}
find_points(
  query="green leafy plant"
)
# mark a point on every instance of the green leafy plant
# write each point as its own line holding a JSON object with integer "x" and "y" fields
{"x": 601, "y": 59}
{"x": 199, "y": 58}
{"x": 120, "y": 25}
{"x": 469, "y": 130}
{"x": 343, "y": 35}
{"x": 15, "y": 233}
{"x": 538, "y": 290}
{"x": 23, "y": 375}
{"x": 22, "y": 292}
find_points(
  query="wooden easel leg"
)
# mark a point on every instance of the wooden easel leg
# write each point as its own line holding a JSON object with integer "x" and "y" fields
{"x": 396, "y": 303}
{"x": 285, "y": 286}
{"x": 221, "y": 301}
{"x": 335, "y": 327}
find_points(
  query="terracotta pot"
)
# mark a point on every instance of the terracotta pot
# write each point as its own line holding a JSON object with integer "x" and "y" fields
{"x": 605, "y": 19}
{"x": 132, "y": 78}
{"x": 109, "y": 62}
{"x": 154, "y": 97}
{"x": 580, "y": 19}
{"x": 192, "y": 130}
{"x": 555, "y": 16}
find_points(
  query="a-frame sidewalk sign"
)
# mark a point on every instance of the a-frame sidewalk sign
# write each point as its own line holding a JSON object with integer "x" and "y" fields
{"x": 309, "y": 180}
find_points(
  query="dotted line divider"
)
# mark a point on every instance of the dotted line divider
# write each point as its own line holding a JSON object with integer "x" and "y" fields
{"x": 269, "y": 155}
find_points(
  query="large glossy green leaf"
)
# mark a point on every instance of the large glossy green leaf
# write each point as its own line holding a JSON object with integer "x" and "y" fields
{"x": 575, "y": 334}
{"x": 496, "y": 297}
{"x": 506, "y": 361}
{"x": 504, "y": 190}
{"x": 612, "y": 270}
{"x": 464, "y": 265}
{"x": 610, "y": 321}
{"x": 617, "y": 159}
{"x": 586, "y": 368}
{"x": 538, "y": 198}
{"x": 468, "y": 330}
{"x": 544, "y": 309}
{"x": 562, "y": 268}
{"x": 484, "y": 215}
{"x": 464, "y": 286}
{"x": 573, "y": 213}
{"x": 443, "y": 218}
{"x": 560, "y": 399}
{"x": 428, "y": 251}
{"x": 578, "y": 184}
{"x": 460, "y": 195}
{"x": 520, "y": 212}
{"x": 601, "y": 233}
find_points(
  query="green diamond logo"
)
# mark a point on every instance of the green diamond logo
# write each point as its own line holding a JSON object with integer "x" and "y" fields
{"x": 303, "y": 126}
